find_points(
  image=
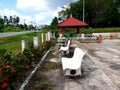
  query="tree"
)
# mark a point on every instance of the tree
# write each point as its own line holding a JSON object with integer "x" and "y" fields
{"x": 5, "y": 20}
{"x": 54, "y": 21}
{"x": 1, "y": 24}
{"x": 21, "y": 26}
{"x": 11, "y": 20}
{"x": 101, "y": 13}
{"x": 25, "y": 26}
{"x": 64, "y": 13}
{"x": 76, "y": 9}
{"x": 98, "y": 13}
{"x": 17, "y": 20}
{"x": 73, "y": 9}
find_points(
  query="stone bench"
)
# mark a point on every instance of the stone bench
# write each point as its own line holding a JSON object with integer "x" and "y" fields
{"x": 72, "y": 66}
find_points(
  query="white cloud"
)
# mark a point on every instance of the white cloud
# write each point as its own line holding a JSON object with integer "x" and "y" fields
{"x": 26, "y": 19}
{"x": 32, "y": 5}
{"x": 39, "y": 8}
{"x": 41, "y": 18}
{"x": 9, "y": 12}
{"x": 36, "y": 11}
{"x": 42, "y": 10}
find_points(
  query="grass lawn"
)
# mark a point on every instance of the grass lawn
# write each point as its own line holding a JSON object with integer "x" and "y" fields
{"x": 13, "y": 43}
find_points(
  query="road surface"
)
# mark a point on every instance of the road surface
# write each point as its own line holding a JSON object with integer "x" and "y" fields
{"x": 12, "y": 33}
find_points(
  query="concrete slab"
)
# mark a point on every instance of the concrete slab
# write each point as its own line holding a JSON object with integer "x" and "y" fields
{"x": 100, "y": 68}
{"x": 93, "y": 79}
{"x": 106, "y": 57}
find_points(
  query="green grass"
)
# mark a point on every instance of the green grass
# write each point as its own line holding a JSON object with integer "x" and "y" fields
{"x": 12, "y": 47}
{"x": 13, "y": 43}
{"x": 12, "y": 29}
{"x": 100, "y": 30}
{"x": 16, "y": 38}
{"x": 92, "y": 30}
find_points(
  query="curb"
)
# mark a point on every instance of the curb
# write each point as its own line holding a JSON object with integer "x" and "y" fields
{"x": 26, "y": 82}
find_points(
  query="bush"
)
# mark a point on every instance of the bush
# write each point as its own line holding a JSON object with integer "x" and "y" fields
{"x": 11, "y": 29}
{"x": 14, "y": 66}
{"x": 100, "y": 30}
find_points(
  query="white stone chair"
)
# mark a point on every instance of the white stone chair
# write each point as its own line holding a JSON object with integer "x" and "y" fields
{"x": 65, "y": 48}
{"x": 72, "y": 66}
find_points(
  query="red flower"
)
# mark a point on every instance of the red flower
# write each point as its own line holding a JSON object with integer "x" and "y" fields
{"x": 6, "y": 78}
{"x": 0, "y": 69}
{"x": 26, "y": 67}
{"x": 38, "y": 46}
{"x": 8, "y": 66}
{"x": 4, "y": 85}
{"x": 13, "y": 71}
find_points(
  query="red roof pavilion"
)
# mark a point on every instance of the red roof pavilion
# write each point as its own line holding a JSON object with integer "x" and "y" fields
{"x": 72, "y": 23}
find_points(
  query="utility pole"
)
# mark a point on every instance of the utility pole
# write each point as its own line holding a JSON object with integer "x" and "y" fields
{"x": 83, "y": 10}
{"x": 71, "y": 7}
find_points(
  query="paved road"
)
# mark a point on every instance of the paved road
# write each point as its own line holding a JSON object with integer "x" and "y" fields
{"x": 12, "y": 33}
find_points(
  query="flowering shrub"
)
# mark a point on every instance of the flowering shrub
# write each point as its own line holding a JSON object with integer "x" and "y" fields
{"x": 14, "y": 66}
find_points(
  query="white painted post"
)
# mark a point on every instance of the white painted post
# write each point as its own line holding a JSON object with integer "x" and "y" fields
{"x": 82, "y": 36}
{"x": 60, "y": 35}
{"x": 48, "y": 36}
{"x": 54, "y": 35}
{"x": 42, "y": 38}
{"x": 51, "y": 34}
{"x": 23, "y": 45}
{"x": 35, "y": 41}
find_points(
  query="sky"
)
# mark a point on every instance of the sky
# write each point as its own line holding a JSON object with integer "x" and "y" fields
{"x": 38, "y": 12}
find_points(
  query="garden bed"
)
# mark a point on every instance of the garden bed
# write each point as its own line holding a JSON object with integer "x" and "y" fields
{"x": 14, "y": 68}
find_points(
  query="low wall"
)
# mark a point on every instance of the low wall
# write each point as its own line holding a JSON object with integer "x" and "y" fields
{"x": 108, "y": 35}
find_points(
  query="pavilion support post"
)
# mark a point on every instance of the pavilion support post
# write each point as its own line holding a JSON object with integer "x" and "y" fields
{"x": 63, "y": 32}
{"x": 80, "y": 31}
{"x": 77, "y": 30}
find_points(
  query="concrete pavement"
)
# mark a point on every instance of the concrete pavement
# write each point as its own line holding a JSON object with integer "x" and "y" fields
{"x": 100, "y": 68}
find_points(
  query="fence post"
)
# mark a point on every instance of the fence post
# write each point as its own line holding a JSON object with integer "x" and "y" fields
{"x": 35, "y": 41}
{"x": 54, "y": 35}
{"x": 48, "y": 36}
{"x": 42, "y": 38}
{"x": 99, "y": 40}
{"x": 23, "y": 45}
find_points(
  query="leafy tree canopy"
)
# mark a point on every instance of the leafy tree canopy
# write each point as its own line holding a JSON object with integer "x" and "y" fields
{"x": 98, "y": 13}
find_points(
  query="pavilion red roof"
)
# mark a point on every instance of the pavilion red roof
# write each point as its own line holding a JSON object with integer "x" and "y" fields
{"x": 72, "y": 22}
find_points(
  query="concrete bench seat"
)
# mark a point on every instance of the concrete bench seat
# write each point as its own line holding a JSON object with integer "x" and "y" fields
{"x": 66, "y": 48}
{"x": 72, "y": 66}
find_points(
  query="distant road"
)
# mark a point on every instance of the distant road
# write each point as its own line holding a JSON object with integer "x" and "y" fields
{"x": 12, "y": 33}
